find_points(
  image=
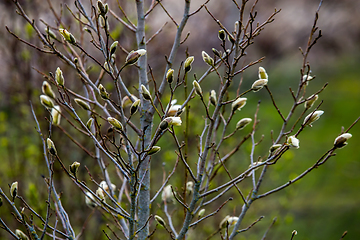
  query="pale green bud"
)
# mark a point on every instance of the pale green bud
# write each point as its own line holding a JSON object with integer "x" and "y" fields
{"x": 145, "y": 93}
{"x": 259, "y": 84}
{"x": 90, "y": 200}
{"x": 197, "y": 88}
{"x": 84, "y": 105}
{"x": 188, "y": 63}
{"x": 201, "y": 213}
{"x": 134, "y": 107}
{"x": 59, "y": 77}
{"x": 89, "y": 123}
{"x": 222, "y": 35}
{"x": 190, "y": 187}
{"x": 115, "y": 123}
{"x": 67, "y": 36}
{"x": 46, "y": 89}
{"x": 207, "y": 59}
{"x": 21, "y": 235}
{"x": 238, "y": 104}
{"x": 242, "y": 123}
{"x": 113, "y": 47}
{"x": 56, "y": 115}
{"x": 108, "y": 67}
{"x": 340, "y": 141}
{"x": 153, "y": 150}
{"x": 274, "y": 148}
{"x": 160, "y": 221}
{"x": 50, "y": 33}
{"x": 51, "y": 146}
{"x": 170, "y": 75}
{"x": 14, "y": 190}
{"x": 292, "y": 141}
{"x": 100, "y": 193}
{"x": 309, "y": 103}
{"x": 134, "y": 56}
{"x": 167, "y": 194}
{"x": 74, "y": 168}
{"x": 262, "y": 73}
{"x": 312, "y": 117}
{"x": 46, "y": 101}
{"x": 103, "y": 93}
{"x": 213, "y": 97}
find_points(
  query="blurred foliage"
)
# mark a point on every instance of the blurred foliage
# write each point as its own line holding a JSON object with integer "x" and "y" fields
{"x": 321, "y": 206}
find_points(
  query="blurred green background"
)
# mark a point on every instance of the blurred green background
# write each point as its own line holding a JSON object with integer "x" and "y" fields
{"x": 322, "y": 205}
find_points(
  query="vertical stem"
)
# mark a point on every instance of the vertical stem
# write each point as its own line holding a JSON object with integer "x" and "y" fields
{"x": 143, "y": 208}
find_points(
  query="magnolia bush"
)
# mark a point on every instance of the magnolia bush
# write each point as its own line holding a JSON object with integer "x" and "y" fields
{"x": 127, "y": 124}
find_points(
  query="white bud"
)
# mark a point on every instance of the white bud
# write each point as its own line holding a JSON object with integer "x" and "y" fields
{"x": 238, "y": 104}
{"x": 242, "y": 123}
{"x": 259, "y": 84}
{"x": 312, "y": 117}
{"x": 55, "y": 115}
{"x": 340, "y": 141}
{"x": 262, "y": 73}
{"x": 292, "y": 141}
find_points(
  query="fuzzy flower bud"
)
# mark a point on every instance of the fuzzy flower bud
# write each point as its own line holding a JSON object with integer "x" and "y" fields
{"x": 56, "y": 115}
{"x": 14, "y": 190}
{"x": 104, "y": 186}
{"x": 224, "y": 222}
{"x": 188, "y": 63}
{"x": 153, "y": 150}
{"x": 307, "y": 78}
{"x": 167, "y": 194}
{"x": 134, "y": 107}
{"x": 134, "y": 56}
{"x": 160, "y": 221}
{"x": 115, "y": 123}
{"x": 126, "y": 101}
{"x": 89, "y": 123}
{"x": 90, "y": 200}
{"x": 292, "y": 141}
{"x": 175, "y": 121}
{"x": 46, "y": 101}
{"x": 232, "y": 220}
{"x": 59, "y": 77}
{"x": 197, "y": 88}
{"x": 21, "y": 235}
{"x": 222, "y": 35}
{"x": 201, "y": 213}
{"x": 274, "y": 148}
{"x": 170, "y": 75}
{"x": 67, "y": 36}
{"x": 113, "y": 47}
{"x": 103, "y": 9}
{"x": 108, "y": 67}
{"x": 46, "y": 89}
{"x": 238, "y": 104}
{"x": 207, "y": 59}
{"x": 145, "y": 93}
{"x": 100, "y": 193}
{"x": 103, "y": 93}
{"x": 262, "y": 73}
{"x": 340, "y": 141}
{"x": 84, "y": 105}
{"x": 175, "y": 110}
{"x": 309, "y": 103}
{"x": 242, "y": 123}
{"x": 190, "y": 187}
{"x": 213, "y": 97}
{"x": 50, "y": 33}
{"x": 312, "y": 117}
{"x": 51, "y": 146}
{"x": 74, "y": 168}
{"x": 259, "y": 84}
{"x": 216, "y": 52}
